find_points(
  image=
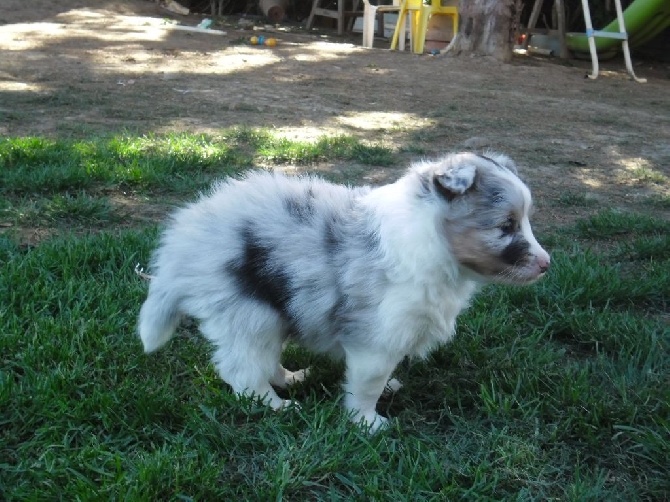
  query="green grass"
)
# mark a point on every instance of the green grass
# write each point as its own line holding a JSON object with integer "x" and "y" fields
{"x": 612, "y": 223}
{"x": 660, "y": 201}
{"x": 176, "y": 163}
{"x": 645, "y": 174}
{"x": 556, "y": 391}
{"x": 570, "y": 198}
{"x": 66, "y": 208}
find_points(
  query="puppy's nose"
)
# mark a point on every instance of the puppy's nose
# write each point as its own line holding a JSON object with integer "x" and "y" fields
{"x": 543, "y": 263}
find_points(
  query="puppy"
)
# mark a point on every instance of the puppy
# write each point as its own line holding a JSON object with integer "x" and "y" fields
{"x": 370, "y": 275}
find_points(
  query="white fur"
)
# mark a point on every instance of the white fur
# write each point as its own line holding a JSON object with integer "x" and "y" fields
{"x": 370, "y": 275}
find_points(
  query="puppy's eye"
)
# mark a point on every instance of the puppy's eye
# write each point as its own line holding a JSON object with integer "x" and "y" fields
{"x": 509, "y": 227}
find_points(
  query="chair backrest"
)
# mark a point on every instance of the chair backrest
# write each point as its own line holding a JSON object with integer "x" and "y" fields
{"x": 379, "y": 3}
{"x": 414, "y": 4}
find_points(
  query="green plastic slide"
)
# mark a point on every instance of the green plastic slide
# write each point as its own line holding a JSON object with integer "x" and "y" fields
{"x": 644, "y": 19}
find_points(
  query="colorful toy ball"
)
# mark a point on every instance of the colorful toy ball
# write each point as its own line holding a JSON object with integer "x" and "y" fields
{"x": 261, "y": 40}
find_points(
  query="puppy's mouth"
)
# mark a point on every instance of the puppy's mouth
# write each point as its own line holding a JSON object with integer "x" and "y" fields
{"x": 515, "y": 278}
{"x": 514, "y": 275}
{"x": 522, "y": 275}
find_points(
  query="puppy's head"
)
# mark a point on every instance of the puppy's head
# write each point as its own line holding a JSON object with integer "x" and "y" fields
{"x": 484, "y": 216}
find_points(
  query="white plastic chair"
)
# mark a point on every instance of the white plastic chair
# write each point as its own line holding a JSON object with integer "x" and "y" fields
{"x": 370, "y": 17}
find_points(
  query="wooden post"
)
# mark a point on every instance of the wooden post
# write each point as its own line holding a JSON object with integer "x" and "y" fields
{"x": 560, "y": 14}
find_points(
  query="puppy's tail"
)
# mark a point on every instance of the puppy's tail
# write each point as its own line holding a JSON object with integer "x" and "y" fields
{"x": 159, "y": 318}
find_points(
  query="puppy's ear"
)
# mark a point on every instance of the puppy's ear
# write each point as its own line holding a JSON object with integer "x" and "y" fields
{"x": 455, "y": 181}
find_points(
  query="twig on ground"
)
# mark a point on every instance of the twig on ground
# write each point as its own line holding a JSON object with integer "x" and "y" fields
{"x": 143, "y": 275}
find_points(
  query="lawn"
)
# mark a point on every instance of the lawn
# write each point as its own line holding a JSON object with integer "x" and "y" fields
{"x": 555, "y": 391}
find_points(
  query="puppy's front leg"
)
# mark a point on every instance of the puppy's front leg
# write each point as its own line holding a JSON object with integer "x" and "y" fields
{"x": 367, "y": 375}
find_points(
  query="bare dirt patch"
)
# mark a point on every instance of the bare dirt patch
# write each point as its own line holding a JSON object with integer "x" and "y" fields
{"x": 70, "y": 69}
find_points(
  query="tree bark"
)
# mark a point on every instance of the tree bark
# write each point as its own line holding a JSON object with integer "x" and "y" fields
{"x": 486, "y": 29}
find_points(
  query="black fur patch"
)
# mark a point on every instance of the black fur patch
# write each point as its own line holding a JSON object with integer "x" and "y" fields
{"x": 259, "y": 278}
{"x": 373, "y": 242}
{"x": 301, "y": 209}
{"x": 336, "y": 313}
{"x": 370, "y": 239}
{"x": 331, "y": 236}
{"x": 516, "y": 251}
{"x": 496, "y": 197}
{"x": 424, "y": 186}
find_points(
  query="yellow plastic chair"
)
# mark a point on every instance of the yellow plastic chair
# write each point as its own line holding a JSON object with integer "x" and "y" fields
{"x": 409, "y": 9}
{"x": 435, "y": 9}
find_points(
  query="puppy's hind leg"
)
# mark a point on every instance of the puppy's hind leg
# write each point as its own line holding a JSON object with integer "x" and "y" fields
{"x": 247, "y": 361}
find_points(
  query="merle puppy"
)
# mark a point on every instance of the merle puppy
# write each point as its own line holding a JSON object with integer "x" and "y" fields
{"x": 371, "y": 275}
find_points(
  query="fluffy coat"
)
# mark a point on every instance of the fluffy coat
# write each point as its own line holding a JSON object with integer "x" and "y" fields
{"x": 371, "y": 275}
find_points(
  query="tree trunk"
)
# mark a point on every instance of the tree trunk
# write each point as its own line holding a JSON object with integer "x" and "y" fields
{"x": 486, "y": 28}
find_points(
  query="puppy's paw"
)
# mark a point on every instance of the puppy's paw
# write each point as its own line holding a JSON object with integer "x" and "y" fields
{"x": 371, "y": 423}
{"x": 288, "y": 404}
{"x": 379, "y": 423}
{"x": 392, "y": 386}
{"x": 284, "y": 378}
{"x": 293, "y": 377}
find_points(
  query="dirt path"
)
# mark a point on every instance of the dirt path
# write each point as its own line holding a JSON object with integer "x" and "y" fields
{"x": 72, "y": 70}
